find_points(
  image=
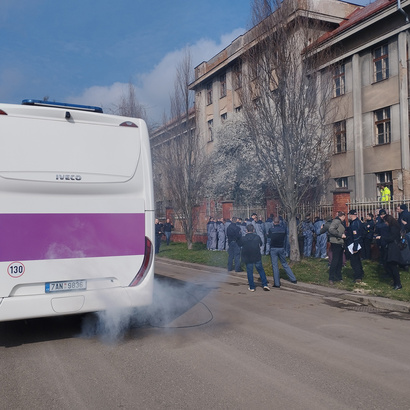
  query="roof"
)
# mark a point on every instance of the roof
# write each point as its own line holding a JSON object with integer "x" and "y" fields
{"x": 359, "y": 15}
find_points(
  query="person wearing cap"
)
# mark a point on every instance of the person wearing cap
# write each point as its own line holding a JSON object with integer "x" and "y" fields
{"x": 380, "y": 231}
{"x": 368, "y": 226}
{"x": 277, "y": 235}
{"x": 404, "y": 220}
{"x": 392, "y": 254}
{"x": 336, "y": 238}
{"x": 251, "y": 256}
{"x": 354, "y": 242}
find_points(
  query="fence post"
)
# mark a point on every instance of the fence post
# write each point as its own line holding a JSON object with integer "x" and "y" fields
{"x": 227, "y": 207}
{"x": 341, "y": 197}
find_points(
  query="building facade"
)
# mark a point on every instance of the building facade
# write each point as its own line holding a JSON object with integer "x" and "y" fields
{"x": 370, "y": 80}
{"x": 370, "y": 87}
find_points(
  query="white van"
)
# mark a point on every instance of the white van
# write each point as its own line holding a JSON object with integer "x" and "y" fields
{"x": 76, "y": 210}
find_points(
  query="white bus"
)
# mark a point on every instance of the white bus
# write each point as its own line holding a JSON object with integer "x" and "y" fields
{"x": 76, "y": 211}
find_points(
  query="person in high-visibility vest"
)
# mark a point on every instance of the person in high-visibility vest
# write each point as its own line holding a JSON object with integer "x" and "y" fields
{"x": 385, "y": 194}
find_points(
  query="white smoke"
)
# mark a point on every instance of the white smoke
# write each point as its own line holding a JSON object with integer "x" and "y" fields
{"x": 176, "y": 304}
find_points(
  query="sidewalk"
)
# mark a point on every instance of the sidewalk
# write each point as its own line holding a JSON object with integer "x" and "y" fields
{"x": 373, "y": 301}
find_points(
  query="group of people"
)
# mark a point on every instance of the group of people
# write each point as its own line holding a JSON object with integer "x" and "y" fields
{"x": 247, "y": 241}
{"x": 354, "y": 242}
{"x": 311, "y": 241}
{"x": 162, "y": 229}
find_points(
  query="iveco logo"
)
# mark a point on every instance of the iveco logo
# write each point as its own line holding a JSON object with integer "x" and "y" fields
{"x": 60, "y": 177}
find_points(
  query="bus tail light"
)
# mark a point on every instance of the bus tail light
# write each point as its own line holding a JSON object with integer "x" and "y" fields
{"x": 146, "y": 263}
{"x": 3, "y": 112}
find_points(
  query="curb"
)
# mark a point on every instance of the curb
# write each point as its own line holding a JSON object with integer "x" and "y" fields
{"x": 374, "y": 301}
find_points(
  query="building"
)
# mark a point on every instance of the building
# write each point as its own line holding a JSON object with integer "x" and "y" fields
{"x": 371, "y": 137}
{"x": 370, "y": 79}
{"x": 371, "y": 87}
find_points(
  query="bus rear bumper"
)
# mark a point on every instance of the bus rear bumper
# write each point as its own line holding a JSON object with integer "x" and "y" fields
{"x": 68, "y": 303}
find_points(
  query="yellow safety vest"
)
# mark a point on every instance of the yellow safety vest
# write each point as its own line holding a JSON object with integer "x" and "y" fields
{"x": 385, "y": 194}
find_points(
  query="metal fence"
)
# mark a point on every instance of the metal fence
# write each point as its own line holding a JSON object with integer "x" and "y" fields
{"x": 373, "y": 206}
{"x": 324, "y": 211}
{"x": 246, "y": 212}
{"x": 314, "y": 210}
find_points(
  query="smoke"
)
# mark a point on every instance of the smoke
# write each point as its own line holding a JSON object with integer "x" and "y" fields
{"x": 176, "y": 304}
{"x": 61, "y": 251}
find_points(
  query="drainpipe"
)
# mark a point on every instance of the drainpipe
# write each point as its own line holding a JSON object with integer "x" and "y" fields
{"x": 402, "y": 11}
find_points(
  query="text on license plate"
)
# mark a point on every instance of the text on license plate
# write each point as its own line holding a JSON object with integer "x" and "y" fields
{"x": 66, "y": 286}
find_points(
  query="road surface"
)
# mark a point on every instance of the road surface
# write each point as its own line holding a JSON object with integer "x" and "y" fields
{"x": 209, "y": 343}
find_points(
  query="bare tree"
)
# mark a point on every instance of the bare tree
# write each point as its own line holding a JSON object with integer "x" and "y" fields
{"x": 183, "y": 160}
{"x": 129, "y": 106}
{"x": 286, "y": 103}
{"x": 236, "y": 173}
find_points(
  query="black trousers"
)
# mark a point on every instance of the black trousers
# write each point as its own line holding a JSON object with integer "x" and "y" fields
{"x": 393, "y": 270}
{"x": 335, "y": 270}
{"x": 367, "y": 248}
{"x": 356, "y": 263}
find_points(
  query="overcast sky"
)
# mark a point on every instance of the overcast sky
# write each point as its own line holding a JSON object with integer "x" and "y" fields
{"x": 87, "y": 51}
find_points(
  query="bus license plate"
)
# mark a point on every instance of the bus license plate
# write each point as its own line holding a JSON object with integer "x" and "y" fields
{"x": 66, "y": 286}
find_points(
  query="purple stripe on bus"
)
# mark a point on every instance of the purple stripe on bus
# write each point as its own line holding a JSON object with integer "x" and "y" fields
{"x": 63, "y": 236}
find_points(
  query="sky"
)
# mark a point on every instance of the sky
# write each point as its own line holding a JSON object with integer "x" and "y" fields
{"x": 88, "y": 51}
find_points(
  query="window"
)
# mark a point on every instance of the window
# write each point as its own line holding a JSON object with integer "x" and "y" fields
{"x": 238, "y": 109}
{"x": 224, "y": 117}
{"x": 339, "y": 132}
{"x": 339, "y": 80}
{"x": 341, "y": 182}
{"x": 210, "y": 131}
{"x": 222, "y": 85}
{"x": 384, "y": 178}
{"x": 383, "y": 127}
{"x": 209, "y": 93}
{"x": 381, "y": 63}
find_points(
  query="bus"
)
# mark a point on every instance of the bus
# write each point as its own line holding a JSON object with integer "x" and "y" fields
{"x": 76, "y": 211}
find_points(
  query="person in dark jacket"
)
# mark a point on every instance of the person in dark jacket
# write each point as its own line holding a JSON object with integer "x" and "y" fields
{"x": 380, "y": 230}
{"x": 404, "y": 220}
{"x": 354, "y": 242}
{"x": 158, "y": 234}
{"x": 368, "y": 227}
{"x": 277, "y": 235}
{"x": 168, "y": 227}
{"x": 251, "y": 256}
{"x": 391, "y": 237}
{"x": 234, "y": 251}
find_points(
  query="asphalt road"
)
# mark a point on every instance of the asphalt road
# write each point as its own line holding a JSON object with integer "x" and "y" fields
{"x": 208, "y": 343}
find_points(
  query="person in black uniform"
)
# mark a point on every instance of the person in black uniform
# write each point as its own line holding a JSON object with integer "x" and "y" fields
{"x": 234, "y": 251}
{"x": 354, "y": 242}
{"x": 368, "y": 226}
{"x": 158, "y": 234}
